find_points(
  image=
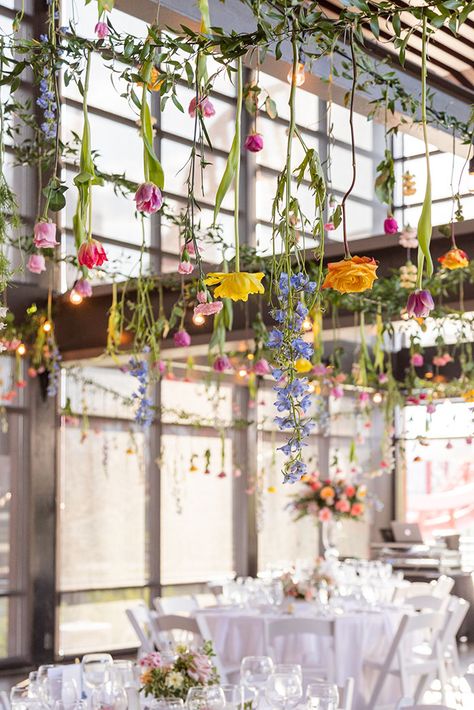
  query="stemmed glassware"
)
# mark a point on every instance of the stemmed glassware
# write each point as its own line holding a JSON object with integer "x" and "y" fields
{"x": 207, "y": 697}
{"x": 284, "y": 690}
{"x": 96, "y": 671}
{"x": 322, "y": 696}
{"x": 255, "y": 672}
{"x": 234, "y": 696}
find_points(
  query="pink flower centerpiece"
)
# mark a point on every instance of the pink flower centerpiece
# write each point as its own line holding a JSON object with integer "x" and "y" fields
{"x": 166, "y": 676}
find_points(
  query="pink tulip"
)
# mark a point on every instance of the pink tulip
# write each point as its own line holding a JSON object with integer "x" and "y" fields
{"x": 185, "y": 267}
{"x": 364, "y": 397}
{"x": 431, "y": 408}
{"x": 329, "y": 227}
{"x": 91, "y": 253}
{"x": 204, "y": 106}
{"x": 148, "y": 198}
{"x": 208, "y": 309}
{"x": 102, "y": 30}
{"x": 182, "y": 338}
{"x": 254, "y": 142}
{"x": 262, "y": 367}
{"x": 419, "y": 304}
{"x": 36, "y": 264}
{"x": 390, "y": 225}
{"x": 83, "y": 288}
{"x": 320, "y": 370}
{"x": 45, "y": 235}
{"x": 417, "y": 360}
{"x": 221, "y": 364}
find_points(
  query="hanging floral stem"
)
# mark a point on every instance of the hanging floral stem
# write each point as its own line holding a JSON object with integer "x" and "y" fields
{"x": 238, "y": 121}
{"x": 289, "y": 145}
{"x": 347, "y": 253}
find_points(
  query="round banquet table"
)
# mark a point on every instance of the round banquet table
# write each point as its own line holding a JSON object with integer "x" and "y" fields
{"x": 358, "y": 635}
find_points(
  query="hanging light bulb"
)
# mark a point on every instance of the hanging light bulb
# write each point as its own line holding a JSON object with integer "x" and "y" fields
{"x": 21, "y": 349}
{"x": 75, "y": 298}
{"x": 307, "y": 325}
{"x": 470, "y": 184}
{"x": 250, "y": 356}
{"x": 377, "y": 398}
{"x": 242, "y": 372}
{"x": 198, "y": 319}
{"x": 297, "y": 77}
{"x": 47, "y": 327}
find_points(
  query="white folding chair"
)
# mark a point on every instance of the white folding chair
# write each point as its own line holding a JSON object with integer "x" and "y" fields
{"x": 400, "y": 660}
{"x": 4, "y": 700}
{"x": 426, "y": 602}
{"x": 414, "y": 589}
{"x": 443, "y": 586}
{"x": 320, "y": 628}
{"x": 184, "y": 604}
{"x": 346, "y": 694}
{"x": 144, "y": 625}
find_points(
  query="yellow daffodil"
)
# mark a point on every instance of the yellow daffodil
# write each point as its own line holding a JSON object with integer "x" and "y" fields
{"x": 237, "y": 286}
{"x": 271, "y": 489}
{"x": 303, "y": 365}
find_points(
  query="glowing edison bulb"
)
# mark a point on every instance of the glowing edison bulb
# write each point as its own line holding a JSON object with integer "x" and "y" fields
{"x": 47, "y": 326}
{"x": 21, "y": 349}
{"x": 242, "y": 372}
{"x": 377, "y": 398}
{"x": 250, "y": 356}
{"x": 297, "y": 77}
{"x": 75, "y": 298}
{"x": 198, "y": 319}
{"x": 307, "y": 325}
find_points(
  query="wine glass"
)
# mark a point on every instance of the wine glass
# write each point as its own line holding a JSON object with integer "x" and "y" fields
{"x": 167, "y": 704}
{"x": 289, "y": 668}
{"x": 234, "y": 696}
{"x": 322, "y": 696}
{"x": 254, "y": 673}
{"x": 42, "y": 680}
{"x": 284, "y": 690}
{"x": 96, "y": 669}
{"x": 207, "y": 697}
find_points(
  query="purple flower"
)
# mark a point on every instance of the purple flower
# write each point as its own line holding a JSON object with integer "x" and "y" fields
{"x": 83, "y": 288}
{"x": 390, "y": 225}
{"x": 148, "y": 198}
{"x": 254, "y": 142}
{"x": 221, "y": 364}
{"x": 275, "y": 339}
{"x": 262, "y": 367}
{"x": 102, "y": 30}
{"x": 419, "y": 304}
{"x": 182, "y": 338}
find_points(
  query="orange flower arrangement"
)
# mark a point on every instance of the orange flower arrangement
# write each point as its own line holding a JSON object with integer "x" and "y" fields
{"x": 454, "y": 259}
{"x": 351, "y": 275}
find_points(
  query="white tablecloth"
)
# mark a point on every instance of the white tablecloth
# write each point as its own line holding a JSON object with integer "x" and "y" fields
{"x": 358, "y": 635}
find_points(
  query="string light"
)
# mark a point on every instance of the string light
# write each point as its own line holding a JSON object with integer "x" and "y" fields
{"x": 298, "y": 77}
{"x": 242, "y": 372}
{"x": 250, "y": 356}
{"x": 21, "y": 349}
{"x": 377, "y": 398}
{"x": 47, "y": 327}
{"x": 75, "y": 298}
{"x": 198, "y": 319}
{"x": 307, "y": 325}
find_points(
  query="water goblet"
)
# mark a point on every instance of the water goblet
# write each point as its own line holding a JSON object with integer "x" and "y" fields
{"x": 322, "y": 696}
{"x": 284, "y": 690}
{"x": 254, "y": 673}
{"x": 96, "y": 670}
{"x": 207, "y": 697}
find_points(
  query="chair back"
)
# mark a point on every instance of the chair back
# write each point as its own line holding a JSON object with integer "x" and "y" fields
{"x": 143, "y": 624}
{"x": 177, "y": 629}
{"x": 4, "y": 700}
{"x": 426, "y": 602}
{"x": 443, "y": 586}
{"x": 456, "y": 613}
{"x": 185, "y": 604}
{"x": 346, "y": 694}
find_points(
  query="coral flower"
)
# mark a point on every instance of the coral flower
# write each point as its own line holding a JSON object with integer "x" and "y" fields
{"x": 254, "y": 142}
{"x": 419, "y": 304}
{"x": 390, "y": 225}
{"x": 45, "y": 235}
{"x": 351, "y": 275}
{"x": 36, "y": 264}
{"x": 343, "y": 506}
{"x": 303, "y": 365}
{"x": 204, "y": 106}
{"x": 102, "y": 30}
{"x": 91, "y": 254}
{"x": 357, "y": 509}
{"x": 326, "y": 492}
{"x": 325, "y": 515}
{"x": 236, "y": 286}
{"x": 148, "y": 198}
{"x": 454, "y": 259}
{"x": 83, "y": 288}
{"x": 182, "y": 338}
{"x": 262, "y": 367}
{"x": 350, "y": 491}
{"x": 208, "y": 309}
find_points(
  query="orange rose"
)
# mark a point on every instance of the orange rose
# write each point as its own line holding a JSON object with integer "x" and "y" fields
{"x": 454, "y": 259}
{"x": 326, "y": 492}
{"x": 351, "y": 275}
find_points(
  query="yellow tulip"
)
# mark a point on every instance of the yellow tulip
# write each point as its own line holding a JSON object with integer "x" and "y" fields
{"x": 237, "y": 286}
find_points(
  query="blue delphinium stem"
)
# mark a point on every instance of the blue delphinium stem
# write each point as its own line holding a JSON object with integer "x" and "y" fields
{"x": 140, "y": 369}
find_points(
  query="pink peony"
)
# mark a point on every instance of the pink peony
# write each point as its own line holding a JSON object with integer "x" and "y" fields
{"x": 417, "y": 360}
{"x": 221, "y": 364}
{"x": 102, "y": 30}
{"x": 36, "y": 264}
{"x": 204, "y": 106}
{"x": 262, "y": 367}
{"x": 148, "y": 198}
{"x": 390, "y": 225}
{"x": 185, "y": 267}
{"x": 254, "y": 142}
{"x": 45, "y": 235}
{"x": 343, "y": 506}
{"x": 91, "y": 254}
{"x": 182, "y": 338}
{"x": 208, "y": 309}
{"x": 83, "y": 288}
{"x": 419, "y": 304}
{"x": 324, "y": 515}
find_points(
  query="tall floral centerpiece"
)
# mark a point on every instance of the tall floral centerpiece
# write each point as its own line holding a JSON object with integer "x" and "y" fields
{"x": 163, "y": 677}
{"x": 328, "y": 501}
